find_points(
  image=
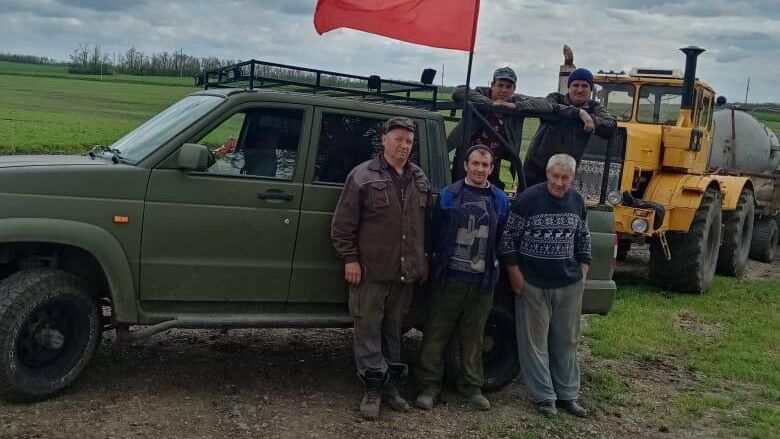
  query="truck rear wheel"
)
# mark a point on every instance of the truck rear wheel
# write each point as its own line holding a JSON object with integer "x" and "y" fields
{"x": 764, "y": 240}
{"x": 694, "y": 254}
{"x": 737, "y": 235}
{"x": 499, "y": 352}
{"x": 49, "y": 328}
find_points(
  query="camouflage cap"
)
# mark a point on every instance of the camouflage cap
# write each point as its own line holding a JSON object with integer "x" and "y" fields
{"x": 505, "y": 73}
{"x": 399, "y": 122}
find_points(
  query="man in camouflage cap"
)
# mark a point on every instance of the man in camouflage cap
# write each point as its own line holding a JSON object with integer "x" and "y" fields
{"x": 378, "y": 230}
{"x": 500, "y": 94}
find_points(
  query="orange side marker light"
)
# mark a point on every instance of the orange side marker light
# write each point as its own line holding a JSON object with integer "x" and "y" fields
{"x": 121, "y": 219}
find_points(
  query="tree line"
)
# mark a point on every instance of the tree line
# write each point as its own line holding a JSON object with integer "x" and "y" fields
{"x": 29, "y": 59}
{"x": 90, "y": 59}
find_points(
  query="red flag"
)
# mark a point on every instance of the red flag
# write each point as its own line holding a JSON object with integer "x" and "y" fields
{"x": 449, "y": 24}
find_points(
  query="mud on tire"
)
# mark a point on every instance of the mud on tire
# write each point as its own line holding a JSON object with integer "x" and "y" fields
{"x": 49, "y": 328}
{"x": 737, "y": 236}
{"x": 764, "y": 240}
{"x": 694, "y": 254}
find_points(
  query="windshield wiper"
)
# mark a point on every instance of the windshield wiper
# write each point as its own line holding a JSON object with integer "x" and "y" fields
{"x": 115, "y": 153}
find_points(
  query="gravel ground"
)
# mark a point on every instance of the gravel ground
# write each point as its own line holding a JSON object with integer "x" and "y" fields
{"x": 301, "y": 383}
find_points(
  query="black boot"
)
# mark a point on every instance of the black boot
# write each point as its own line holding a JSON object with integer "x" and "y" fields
{"x": 572, "y": 407}
{"x": 372, "y": 397}
{"x": 391, "y": 390}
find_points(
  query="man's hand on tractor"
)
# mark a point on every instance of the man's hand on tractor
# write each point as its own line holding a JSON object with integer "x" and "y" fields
{"x": 587, "y": 121}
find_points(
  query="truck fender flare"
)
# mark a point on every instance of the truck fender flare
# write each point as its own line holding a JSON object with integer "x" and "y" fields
{"x": 731, "y": 188}
{"x": 682, "y": 194}
{"x": 93, "y": 239}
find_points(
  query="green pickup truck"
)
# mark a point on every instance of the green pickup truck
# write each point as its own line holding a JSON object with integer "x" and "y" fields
{"x": 213, "y": 214}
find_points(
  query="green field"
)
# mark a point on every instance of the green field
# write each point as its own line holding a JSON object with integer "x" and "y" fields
{"x": 727, "y": 338}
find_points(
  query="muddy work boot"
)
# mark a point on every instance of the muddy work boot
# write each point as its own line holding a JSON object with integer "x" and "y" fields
{"x": 372, "y": 397}
{"x": 425, "y": 400}
{"x": 391, "y": 390}
{"x": 478, "y": 401}
{"x": 572, "y": 407}
{"x": 546, "y": 408}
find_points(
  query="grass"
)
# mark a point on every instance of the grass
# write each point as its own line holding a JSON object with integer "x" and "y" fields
{"x": 58, "y": 114}
{"x": 728, "y": 335}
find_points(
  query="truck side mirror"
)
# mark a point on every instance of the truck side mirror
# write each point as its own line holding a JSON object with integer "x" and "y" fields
{"x": 721, "y": 101}
{"x": 193, "y": 157}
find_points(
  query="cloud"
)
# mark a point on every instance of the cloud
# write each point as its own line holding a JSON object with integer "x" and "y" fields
{"x": 741, "y": 37}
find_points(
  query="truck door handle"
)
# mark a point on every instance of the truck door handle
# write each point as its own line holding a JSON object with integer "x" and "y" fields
{"x": 272, "y": 195}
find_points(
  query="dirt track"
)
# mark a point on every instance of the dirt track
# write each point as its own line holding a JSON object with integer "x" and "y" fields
{"x": 301, "y": 383}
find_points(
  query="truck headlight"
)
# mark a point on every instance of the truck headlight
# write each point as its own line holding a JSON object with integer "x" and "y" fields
{"x": 639, "y": 225}
{"x": 614, "y": 198}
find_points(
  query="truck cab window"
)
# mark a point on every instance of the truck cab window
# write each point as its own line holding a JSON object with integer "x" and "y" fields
{"x": 617, "y": 98}
{"x": 347, "y": 141}
{"x": 659, "y": 104}
{"x": 258, "y": 142}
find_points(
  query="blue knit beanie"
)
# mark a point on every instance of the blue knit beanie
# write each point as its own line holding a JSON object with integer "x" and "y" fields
{"x": 581, "y": 75}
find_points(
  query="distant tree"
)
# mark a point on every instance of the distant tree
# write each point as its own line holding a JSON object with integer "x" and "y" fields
{"x": 88, "y": 59}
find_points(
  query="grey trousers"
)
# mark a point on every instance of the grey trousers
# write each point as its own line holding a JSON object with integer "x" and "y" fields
{"x": 378, "y": 310}
{"x": 548, "y": 327}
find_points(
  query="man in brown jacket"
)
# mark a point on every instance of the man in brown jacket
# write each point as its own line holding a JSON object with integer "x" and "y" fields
{"x": 379, "y": 231}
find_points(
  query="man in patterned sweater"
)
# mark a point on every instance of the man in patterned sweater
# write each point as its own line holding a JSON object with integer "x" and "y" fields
{"x": 546, "y": 250}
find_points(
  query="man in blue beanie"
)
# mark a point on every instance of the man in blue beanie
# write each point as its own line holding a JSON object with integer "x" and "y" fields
{"x": 566, "y": 138}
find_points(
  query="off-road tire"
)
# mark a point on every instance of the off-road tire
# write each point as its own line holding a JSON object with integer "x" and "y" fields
{"x": 737, "y": 236}
{"x": 694, "y": 254}
{"x": 499, "y": 357}
{"x": 40, "y": 306}
{"x": 764, "y": 240}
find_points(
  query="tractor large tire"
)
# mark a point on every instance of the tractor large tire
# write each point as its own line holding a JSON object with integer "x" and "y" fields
{"x": 737, "y": 235}
{"x": 694, "y": 254}
{"x": 49, "y": 328}
{"x": 499, "y": 351}
{"x": 764, "y": 240}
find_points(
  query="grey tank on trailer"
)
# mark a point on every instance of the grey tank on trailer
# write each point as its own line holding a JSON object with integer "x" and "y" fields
{"x": 742, "y": 143}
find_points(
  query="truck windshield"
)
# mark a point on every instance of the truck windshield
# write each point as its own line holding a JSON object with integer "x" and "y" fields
{"x": 618, "y": 99}
{"x": 163, "y": 127}
{"x": 659, "y": 104}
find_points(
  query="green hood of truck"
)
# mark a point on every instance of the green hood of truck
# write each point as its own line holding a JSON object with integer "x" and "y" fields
{"x": 71, "y": 176}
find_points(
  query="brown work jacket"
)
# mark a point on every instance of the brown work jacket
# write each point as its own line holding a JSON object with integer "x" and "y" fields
{"x": 372, "y": 226}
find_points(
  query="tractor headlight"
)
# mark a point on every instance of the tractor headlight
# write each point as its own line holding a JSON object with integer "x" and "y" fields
{"x": 614, "y": 198}
{"x": 639, "y": 225}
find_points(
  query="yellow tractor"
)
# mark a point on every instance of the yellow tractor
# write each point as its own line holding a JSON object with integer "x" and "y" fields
{"x": 696, "y": 221}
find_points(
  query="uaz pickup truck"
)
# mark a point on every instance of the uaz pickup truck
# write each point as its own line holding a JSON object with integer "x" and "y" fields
{"x": 215, "y": 213}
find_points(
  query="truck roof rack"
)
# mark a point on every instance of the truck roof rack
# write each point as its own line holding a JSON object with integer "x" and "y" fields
{"x": 254, "y": 74}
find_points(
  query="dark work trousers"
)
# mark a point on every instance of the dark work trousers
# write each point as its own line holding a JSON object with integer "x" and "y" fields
{"x": 457, "y": 309}
{"x": 378, "y": 310}
{"x": 548, "y": 327}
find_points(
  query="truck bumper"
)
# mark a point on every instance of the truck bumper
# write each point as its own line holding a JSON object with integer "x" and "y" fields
{"x": 598, "y": 296}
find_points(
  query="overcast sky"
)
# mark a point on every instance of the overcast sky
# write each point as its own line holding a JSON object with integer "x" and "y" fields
{"x": 742, "y": 37}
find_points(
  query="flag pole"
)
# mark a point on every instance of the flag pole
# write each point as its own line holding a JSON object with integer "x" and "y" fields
{"x": 466, "y": 112}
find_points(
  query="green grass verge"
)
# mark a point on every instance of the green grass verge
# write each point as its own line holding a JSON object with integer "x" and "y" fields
{"x": 728, "y": 335}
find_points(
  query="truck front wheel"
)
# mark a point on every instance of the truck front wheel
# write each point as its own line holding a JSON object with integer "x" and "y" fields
{"x": 694, "y": 254}
{"x": 737, "y": 234}
{"x": 499, "y": 351}
{"x": 49, "y": 328}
